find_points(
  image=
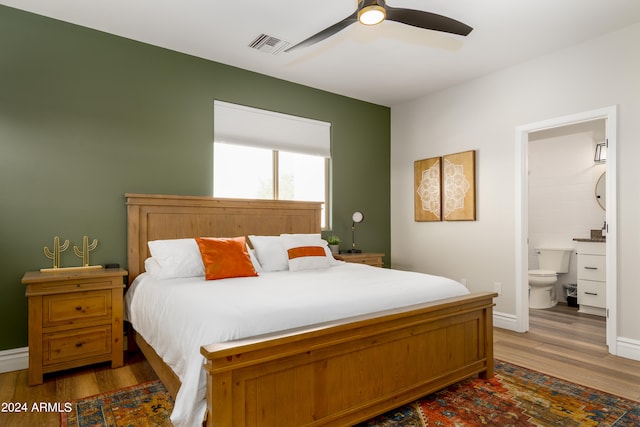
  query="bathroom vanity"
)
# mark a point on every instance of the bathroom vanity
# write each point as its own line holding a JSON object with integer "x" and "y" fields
{"x": 592, "y": 295}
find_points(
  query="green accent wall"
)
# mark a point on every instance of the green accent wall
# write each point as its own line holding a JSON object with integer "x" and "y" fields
{"x": 86, "y": 117}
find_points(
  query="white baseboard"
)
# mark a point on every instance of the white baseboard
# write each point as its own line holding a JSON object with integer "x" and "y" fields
{"x": 628, "y": 348}
{"x": 14, "y": 359}
{"x": 505, "y": 321}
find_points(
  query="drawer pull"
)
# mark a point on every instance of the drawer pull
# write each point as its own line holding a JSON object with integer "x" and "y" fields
{"x": 591, "y": 293}
{"x": 78, "y": 308}
{"x": 591, "y": 268}
{"x": 79, "y": 344}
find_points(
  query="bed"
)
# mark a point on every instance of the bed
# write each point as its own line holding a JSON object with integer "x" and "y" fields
{"x": 335, "y": 372}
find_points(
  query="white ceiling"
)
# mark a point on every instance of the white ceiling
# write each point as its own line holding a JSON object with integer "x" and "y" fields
{"x": 386, "y": 64}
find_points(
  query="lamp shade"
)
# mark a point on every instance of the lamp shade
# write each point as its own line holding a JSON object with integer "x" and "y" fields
{"x": 357, "y": 217}
{"x": 601, "y": 153}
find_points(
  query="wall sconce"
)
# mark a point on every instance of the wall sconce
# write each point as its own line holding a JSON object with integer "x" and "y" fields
{"x": 601, "y": 153}
{"x": 357, "y": 217}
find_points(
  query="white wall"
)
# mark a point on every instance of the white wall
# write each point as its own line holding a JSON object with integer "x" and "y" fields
{"x": 562, "y": 203}
{"x": 483, "y": 114}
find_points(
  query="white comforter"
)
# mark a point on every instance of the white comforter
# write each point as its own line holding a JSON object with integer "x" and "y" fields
{"x": 177, "y": 316}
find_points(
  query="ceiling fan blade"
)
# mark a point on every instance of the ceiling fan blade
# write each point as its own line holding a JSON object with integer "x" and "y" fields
{"x": 427, "y": 20}
{"x": 327, "y": 32}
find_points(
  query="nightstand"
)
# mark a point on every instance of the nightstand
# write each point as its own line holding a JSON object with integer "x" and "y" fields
{"x": 75, "y": 319}
{"x": 362, "y": 258}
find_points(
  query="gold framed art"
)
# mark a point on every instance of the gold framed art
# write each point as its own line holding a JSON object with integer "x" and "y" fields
{"x": 459, "y": 186}
{"x": 427, "y": 194}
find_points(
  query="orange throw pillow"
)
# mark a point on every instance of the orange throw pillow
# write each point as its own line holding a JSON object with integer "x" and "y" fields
{"x": 225, "y": 258}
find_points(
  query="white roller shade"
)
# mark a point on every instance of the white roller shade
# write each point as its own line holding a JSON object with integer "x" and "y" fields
{"x": 237, "y": 124}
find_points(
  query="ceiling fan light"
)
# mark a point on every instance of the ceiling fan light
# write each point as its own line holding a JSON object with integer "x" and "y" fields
{"x": 371, "y": 15}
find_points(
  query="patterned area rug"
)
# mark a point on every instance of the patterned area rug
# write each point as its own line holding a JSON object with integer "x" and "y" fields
{"x": 514, "y": 397}
{"x": 147, "y": 404}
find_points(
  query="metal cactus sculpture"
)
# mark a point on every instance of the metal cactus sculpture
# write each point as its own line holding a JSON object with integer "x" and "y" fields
{"x": 55, "y": 253}
{"x": 86, "y": 248}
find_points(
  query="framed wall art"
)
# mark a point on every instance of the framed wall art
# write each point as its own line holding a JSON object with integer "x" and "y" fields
{"x": 459, "y": 186}
{"x": 427, "y": 192}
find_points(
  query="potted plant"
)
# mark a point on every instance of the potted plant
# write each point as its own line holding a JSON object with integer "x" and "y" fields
{"x": 334, "y": 244}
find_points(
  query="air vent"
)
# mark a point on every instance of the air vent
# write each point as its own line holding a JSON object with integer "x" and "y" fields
{"x": 269, "y": 44}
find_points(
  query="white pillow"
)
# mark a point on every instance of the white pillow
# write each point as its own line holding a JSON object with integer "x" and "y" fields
{"x": 252, "y": 255}
{"x": 310, "y": 238}
{"x": 152, "y": 267}
{"x": 315, "y": 255}
{"x": 270, "y": 253}
{"x": 176, "y": 258}
{"x": 308, "y": 257}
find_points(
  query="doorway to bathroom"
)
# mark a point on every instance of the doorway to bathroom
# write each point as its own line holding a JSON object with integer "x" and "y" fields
{"x": 552, "y": 180}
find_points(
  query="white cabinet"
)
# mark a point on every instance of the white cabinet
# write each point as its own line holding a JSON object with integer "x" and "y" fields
{"x": 592, "y": 296}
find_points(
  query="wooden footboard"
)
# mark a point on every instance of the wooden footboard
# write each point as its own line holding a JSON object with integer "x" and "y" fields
{"x": 343, "y": 372}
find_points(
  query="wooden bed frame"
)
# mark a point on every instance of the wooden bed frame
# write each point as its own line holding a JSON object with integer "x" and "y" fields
{"x": 336, "y": 373}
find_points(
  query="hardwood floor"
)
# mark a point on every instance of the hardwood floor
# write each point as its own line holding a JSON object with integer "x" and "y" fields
{"x": 566, "y": 344}
{"x": 560, "y": 342}
{"x": 65, "y": 386}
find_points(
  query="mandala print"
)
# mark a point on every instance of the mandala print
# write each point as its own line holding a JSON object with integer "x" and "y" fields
{"x": 429, "y": 189}
{"x": 456, "y": 187}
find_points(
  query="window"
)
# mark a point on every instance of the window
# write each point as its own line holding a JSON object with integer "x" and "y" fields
{"x": 301, "y": 177}
{"x": 264, "y": 155}
{"x": 257, "y": 173}
{"x": 242, "y": 172}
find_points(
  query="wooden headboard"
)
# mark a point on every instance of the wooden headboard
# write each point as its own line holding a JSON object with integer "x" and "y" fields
{"x": 154, "y": 217}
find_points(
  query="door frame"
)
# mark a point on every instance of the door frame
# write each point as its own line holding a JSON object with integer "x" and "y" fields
{"x": 522, "y": 214}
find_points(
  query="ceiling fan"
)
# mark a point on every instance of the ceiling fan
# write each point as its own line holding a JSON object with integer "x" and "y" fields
{"x": 372, "y": 12}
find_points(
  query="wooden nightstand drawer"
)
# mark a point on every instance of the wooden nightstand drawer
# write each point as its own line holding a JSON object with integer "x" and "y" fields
{"x": 76, "y": 344}
{"x": 372, "y": 259}
{"x": 75, "y": 319}
{"x": 76, "y": 307}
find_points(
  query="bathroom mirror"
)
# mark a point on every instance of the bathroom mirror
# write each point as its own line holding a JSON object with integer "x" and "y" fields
{"x": 601, "y": 191}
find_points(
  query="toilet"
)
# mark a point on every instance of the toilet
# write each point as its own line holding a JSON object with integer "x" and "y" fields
{"x": 551, "y": 262}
